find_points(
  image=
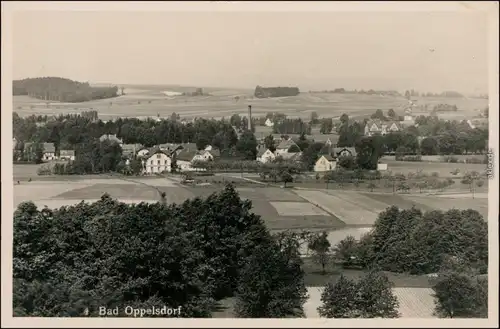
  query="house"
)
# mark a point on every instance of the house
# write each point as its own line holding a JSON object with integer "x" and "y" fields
{"x": 158, "y": 161}
{"x": 269, "y": 122}
{"x": 206, "y": 155}
{"x": 111, "y": 138}
{"x": 68, "y": 155}
{"x": 328, "y": 139}
{"x": 284, "y": 146}
{"x": 290, "y": 156}
{"x": 49, "y": 151}
{"x": 325, "y": 163}
{"x": 378, "y": 127}
{"x": 265, "y": 155}
{"x": 343, "y": 151}
{"x": 130, "y": 150}
{"x": 184, "y": 159}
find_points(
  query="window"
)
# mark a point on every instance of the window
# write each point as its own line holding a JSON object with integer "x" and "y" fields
{"x": 158, "y": 162}
{"x": 158, "y": 156}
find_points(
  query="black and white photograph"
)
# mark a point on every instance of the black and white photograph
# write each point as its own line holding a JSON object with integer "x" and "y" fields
{"x": 237, "y": 160}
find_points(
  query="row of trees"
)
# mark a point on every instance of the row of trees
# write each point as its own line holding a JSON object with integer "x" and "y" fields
{"x": 265, "y": 92}
{"x": 360, "y": 92}
{"x": 291, "y": 126}
{"x": 61, "y": 89}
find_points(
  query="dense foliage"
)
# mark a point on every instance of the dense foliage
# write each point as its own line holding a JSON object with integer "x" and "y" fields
{"x": 369, "y": 297}
{"x": 61, "y": 90}
{"x": 108, "y": 253}
{"x": 410, "y": 241}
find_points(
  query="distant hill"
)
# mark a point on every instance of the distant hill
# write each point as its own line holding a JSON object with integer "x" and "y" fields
{"x": 61, "y": 89}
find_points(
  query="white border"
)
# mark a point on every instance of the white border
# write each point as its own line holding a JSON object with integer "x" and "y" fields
{"x": 7, "y": 199}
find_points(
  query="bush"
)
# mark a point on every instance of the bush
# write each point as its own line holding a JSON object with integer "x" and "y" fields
{"x": 475, "y": 161}
{"x": 44, "y": 171}
{"x": 450, "y": 158}
{"x": 410, "y": 158}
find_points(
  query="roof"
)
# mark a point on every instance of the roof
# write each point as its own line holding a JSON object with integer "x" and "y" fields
{"x": 286, "y": 144}
{"x": 186, "y": 155}
{"x": 261, "y": 151}
{"x": 380, "y": 123}
{"x": 67, "y": 152}
{"x": 327, "y": 157}
{"x": 324, "y": 137}
{"x": 291, "y": 156}
{"x": 49, "y": 147}
{"x": 156, "y": 151}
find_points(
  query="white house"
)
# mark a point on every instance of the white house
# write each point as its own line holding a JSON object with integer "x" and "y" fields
{"x": 49, "y": 152}
{"x": 265, "y": 155}
{"x": 157, "y": 162}
{"x": 325, "y": 163}
{"x": 68, "y": 155}
{"x": 284, "y": 146}
{"x": 184, "y": 160}
{"x": 377, "y": 127}
{"x": 269, "y": 122}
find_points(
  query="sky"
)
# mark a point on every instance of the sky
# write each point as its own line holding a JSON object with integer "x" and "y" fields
{"x": 311, "y": 50}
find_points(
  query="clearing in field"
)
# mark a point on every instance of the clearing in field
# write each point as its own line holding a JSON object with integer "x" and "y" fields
{"x": 360, "y": 200}
{"x": 349, "y": 213}
{"x": 445, "y": 204}
{"x": 297, "y": 209}
{"x": 413, "y": 302}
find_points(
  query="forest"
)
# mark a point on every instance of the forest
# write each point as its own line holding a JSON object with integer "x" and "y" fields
{"x": 61, "y": 90}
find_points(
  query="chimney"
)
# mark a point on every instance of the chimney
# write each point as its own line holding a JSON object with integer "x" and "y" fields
{"x": 249, "y": 117}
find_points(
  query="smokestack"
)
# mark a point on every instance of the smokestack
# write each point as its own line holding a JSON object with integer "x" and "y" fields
{"x": 249, "y": 117}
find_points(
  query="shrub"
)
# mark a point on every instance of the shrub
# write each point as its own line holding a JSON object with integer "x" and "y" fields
{"x": 450, "y": 158}
{"x": 475, "y": 161}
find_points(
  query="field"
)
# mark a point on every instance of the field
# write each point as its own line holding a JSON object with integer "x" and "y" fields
{"x": 442, "y": 168}
{"x": 146, "y": 101}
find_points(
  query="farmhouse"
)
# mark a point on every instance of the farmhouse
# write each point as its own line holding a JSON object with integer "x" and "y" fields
{"x": 157, "y": 162}
{"x": 111, "y": 138}
{"x": 49, "y": 151}
{"x": 325, "y": 163}
{"x": 265, "y": 155}
{"x": 68, "y": 155}
{"x": 184, "y": 159}
{"x": 206, "y": 155}
{"x": 378, "y": 127}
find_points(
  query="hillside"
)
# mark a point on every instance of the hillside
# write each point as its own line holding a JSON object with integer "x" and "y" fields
{"x": 61, "y": 90}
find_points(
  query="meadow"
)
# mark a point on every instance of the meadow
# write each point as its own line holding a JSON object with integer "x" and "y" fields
{"x": 151, "y": 101}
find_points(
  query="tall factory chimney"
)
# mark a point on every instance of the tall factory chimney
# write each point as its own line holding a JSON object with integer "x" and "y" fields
{"x": 249, "y": 117}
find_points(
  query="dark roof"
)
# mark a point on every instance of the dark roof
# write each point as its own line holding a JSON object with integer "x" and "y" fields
{"x": 286, "y": 144}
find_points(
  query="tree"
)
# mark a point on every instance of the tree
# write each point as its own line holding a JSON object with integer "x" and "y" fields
{"x": 346, "y": 251}
{"x": 375, "y": 298}
{"x": 429, "y": 146}
{"x": 460, "y": 295}
{"x": 344, "y": 119}
{"x": 247, "y": 146}
{"x": 271, "y": 285}
{"x": 326, "y": 126}
{"x": 269, "y": 143}
{"x": 320, "y": 246}
{"x": 314, "y": 117}
{"x": 303, "y": 142}
{"x": 369, "y": 297}
{"x": 391, "y": 114}
{"x": 338, "y": 300}
{"x": 378, "y": 115}
{"x": 369, "y": 150}
{"x": 311, "y": 154}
